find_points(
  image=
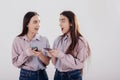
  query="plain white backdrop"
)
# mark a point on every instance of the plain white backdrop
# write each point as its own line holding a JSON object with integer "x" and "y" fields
{"x": 99, "y": 23}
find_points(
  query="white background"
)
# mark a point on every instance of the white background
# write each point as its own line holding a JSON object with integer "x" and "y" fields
{"x": 99, "y": 23}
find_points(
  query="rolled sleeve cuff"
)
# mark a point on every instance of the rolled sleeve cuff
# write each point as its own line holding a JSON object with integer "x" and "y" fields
{"x": 22, "y": 58}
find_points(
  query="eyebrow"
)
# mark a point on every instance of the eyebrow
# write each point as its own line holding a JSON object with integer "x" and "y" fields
{"x": 36, "y": 21}
{"x": 62, "y": 19}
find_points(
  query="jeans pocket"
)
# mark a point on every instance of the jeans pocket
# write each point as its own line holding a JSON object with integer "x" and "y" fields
{"x": 24, "y": 75}
{"x": 76, "y": 75}
{"x": 57, "y": 75}
{"x": 45, "y": 77}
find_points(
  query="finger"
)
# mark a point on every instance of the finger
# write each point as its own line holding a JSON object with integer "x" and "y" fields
{"x": 52, "y": 51}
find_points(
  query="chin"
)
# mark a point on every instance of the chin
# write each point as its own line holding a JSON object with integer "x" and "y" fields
{"x": 63, "y": 32}
{"x": 35, "y": 32}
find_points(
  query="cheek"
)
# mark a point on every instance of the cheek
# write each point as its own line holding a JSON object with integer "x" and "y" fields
{"x": 67, "y": 27}
{"x": 30, "y": 28}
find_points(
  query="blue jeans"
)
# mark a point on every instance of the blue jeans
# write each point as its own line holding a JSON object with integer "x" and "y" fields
{"x": 70, "y": 75}
{"x": 33, "y": 75}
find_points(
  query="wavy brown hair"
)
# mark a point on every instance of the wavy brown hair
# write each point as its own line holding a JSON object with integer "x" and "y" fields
{"x": 74, "y": 32}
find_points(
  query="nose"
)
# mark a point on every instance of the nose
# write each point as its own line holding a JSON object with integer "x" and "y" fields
{"x": 38, "y": 24}
{"x": 60, "y": 24}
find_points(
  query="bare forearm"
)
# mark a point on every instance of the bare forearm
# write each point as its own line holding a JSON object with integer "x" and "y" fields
{"x": 53, "y": 60}
{"x": 44, "y": 59}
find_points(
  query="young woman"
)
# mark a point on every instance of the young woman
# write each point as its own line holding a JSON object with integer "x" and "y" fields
{"x": 70, "y": 50}
{"x": 28, "y": 52}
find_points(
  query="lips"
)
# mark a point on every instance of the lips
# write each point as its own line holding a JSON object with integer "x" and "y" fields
{"x": 36, "y": 28}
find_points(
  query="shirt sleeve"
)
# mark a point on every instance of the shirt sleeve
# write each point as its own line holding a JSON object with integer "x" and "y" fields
{"x": 55, "y": 45}
{"x": 72, "y": 62}
{"x": 47, "y": 46}
{"x": 56, "y": 42}
{"x": 19, "y": 56}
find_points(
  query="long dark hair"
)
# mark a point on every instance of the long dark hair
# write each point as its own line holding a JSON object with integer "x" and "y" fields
{"x": 26, "y": 20}
{"x": 74, "y": 31}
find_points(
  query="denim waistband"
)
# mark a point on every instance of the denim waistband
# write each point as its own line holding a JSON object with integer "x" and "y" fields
{"x": 33, "y": 75}
{"x": 69, "y": 75}
{"x": 30, "y": 71}
{"x": 70, "y": 71}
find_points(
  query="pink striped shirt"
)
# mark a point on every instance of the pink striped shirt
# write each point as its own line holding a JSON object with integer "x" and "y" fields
{"x": 66, "y": 62}
{"x": 20, "y": 58}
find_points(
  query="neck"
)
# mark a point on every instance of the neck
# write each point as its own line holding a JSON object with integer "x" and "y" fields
{"x": 30, "y": 36}
{"x": 68, "y": 34}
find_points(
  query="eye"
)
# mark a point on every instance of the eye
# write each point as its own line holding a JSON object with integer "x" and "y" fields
{"x": 34, "y": 21}
{"x": 62, "y": 20}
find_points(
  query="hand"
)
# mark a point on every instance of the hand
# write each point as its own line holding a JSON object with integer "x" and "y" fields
{"x": 54, "y": 53}
{"x": 36, "y": 53}
{"x": 29, "y": 51}
{"x": 49, "y": 53}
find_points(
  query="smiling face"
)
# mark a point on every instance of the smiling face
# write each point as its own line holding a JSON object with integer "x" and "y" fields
{"x": 64, "y": 24}
{"x": 34, "y": 24}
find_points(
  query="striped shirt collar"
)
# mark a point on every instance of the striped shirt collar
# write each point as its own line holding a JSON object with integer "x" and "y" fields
{"x": 37, "y": 37}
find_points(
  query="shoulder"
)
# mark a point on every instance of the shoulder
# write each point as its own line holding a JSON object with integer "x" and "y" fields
{"x": 17, "y": 38}
{"x": 58, "y": 38}
{"x": 82, "y": 41}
